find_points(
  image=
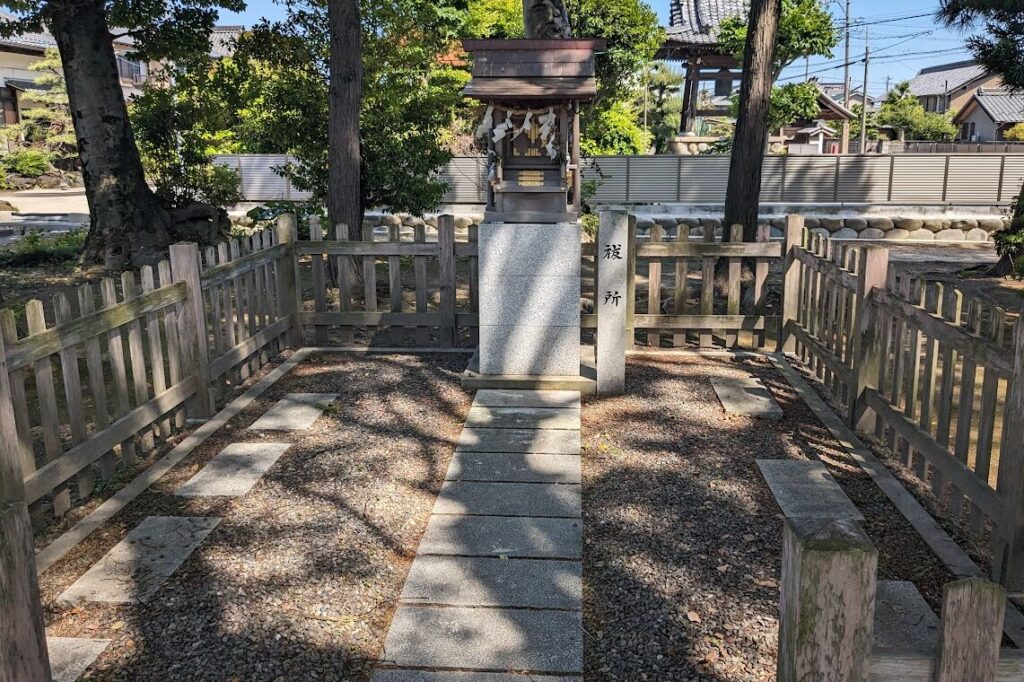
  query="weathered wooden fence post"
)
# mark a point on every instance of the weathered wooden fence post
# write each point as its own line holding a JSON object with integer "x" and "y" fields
{"x": 23, "y": 654}
{"x": 193, "y": 342}
{"x": 631, "y": 284}
{"x": 826, "y": 619}
{"x": 611, "y": 262}
{"x": 287, "y": 278}
{"x": 971, "y": 631}
{"x": 446, "y": 252}
{"x": 790, "y": 282}
{"x": 867, "y": 340}
{"x": 1008, "y": 563}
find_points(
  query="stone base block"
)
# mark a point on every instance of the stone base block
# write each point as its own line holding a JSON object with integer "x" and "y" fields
{"x": 530, "y": 350}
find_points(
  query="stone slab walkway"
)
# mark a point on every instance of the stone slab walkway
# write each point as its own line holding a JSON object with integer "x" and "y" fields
{"x": 138, "y": 565}
{"x": 496, "y": 586}
{"x": 295, "y": 412}
{"x": 807, "y": 490}
{"x": 746, "y": 397}
{"x": 70, "y": 656}
{"x": 234, "y": 471}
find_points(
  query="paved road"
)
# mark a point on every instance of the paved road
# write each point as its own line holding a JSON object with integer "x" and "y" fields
{"x": 49, "y": 201}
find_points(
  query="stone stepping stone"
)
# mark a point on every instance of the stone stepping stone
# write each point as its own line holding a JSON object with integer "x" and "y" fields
{"x": 138, "y": 565}
{"x": 71, "y": 656}
{"x": 807, "y": 490}
{"x": 295, "y": 412}
{"x": 514, "y": 468}
{"x": 453, "y": 676}
{"x": 509, "y": 499}
{"x": 505, "y": 398}
{"x": 903, "y": 619}
{"x": 746, "y": 397}
{"x": 524, "y": 583}
{"x": 523, "y": 418}
{"x": 498, "y": 536}
{"x": 520, "y": 440}
{"x": 486, "y": 639}
{"x": 234, "y": 471}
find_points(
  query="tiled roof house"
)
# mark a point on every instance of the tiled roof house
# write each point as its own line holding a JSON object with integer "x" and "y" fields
{"x": 948, "y": 87}
{"x": 989, "y": 113}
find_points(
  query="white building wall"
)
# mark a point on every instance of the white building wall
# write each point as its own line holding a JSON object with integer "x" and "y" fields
{"x": 985, "y": 129}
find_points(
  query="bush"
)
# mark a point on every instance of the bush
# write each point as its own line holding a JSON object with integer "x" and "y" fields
{"x": 1015, "y": 134}
{"x": 613, "y": 131}
{"x": 35, "y": 248}
{"x": 264, "y": 216}
{"x": 28, "y": 163}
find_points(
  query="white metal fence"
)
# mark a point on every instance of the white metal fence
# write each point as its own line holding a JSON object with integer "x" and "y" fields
{"x": 927, "y": 179}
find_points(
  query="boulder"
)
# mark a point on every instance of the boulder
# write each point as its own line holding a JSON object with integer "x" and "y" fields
{"x": 777, "y": 233}
{"x": 883, "y": 224}
{"x": 898, "y": 234}
{"x": 922, "y": 235}
{"x": 856, "y": 223}
{"x": 413, "y": 221}
{"x": 431, "y": 221}
{"x": 391, "y": 221}
{"x": 463, "y": 222}
{"x": 7, "y": 206}
{"x": 644, "y": 223}
{"x": 978, "y": 234}
{"x": 845, "y": 233}
{"x": 991, "y": 224}
{"x": 696, "y": 231}
{"x": 477, "y": 218}
{"x": 909, "y": 224}
{"x": 832, "y": 224}
{"x": 778, "y": 224}
{"x": 811, "y": 223}
{"x": 963, "y": 224}
{"x": 822, "y": 231}
{"x": 872, "y": 233}
{"x": 711, "y": 222}
{"x": 935, "y": 224}
{"x": 951, "y": 235}
{"x": 667, "y": 223}
{"x": 689, "y": 222}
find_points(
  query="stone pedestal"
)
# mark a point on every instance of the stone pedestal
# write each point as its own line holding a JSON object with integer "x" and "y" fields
{"x": 530, "y": 299}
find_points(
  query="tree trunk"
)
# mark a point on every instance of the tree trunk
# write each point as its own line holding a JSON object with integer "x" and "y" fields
{"x": 344, "y": 194}
{"x": 128, "y": 222}
{"x": 751, "y": 137}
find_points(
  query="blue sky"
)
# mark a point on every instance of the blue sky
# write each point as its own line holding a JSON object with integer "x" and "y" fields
{"x": 903, "y": 42}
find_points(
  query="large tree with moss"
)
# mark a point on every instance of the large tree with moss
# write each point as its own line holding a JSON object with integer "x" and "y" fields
{"x": 1000, "y": 48}
{"x": 129, "y": 223}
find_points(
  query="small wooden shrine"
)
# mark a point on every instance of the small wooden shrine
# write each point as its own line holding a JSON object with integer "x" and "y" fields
{"x": 533, "y": 91}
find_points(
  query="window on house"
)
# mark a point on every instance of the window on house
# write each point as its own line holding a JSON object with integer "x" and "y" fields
{"x": 129, "y": 71}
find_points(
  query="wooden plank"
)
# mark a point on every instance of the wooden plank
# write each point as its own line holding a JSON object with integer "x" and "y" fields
{"x": 81, "y": 456}
{"x": 234, "y": 253}
{"x": 225, "y": 289}
{"x": 422, "y": 335}
{"x": 735, "y": 270}
{"x": 446, "y": 254}
{"x": 930, "y": 366}
{"x": 73, "y": 396}
{"x": 395, "y": 272}
{"x": 816, "y": 349}
{"x": 369, "y": 276}
{"x": 170, "y": 324}
{"x": 923, "y": 443}
{"x": 137, "y": 356}
{"x": 25, "y": 654}
{"x": 970, "y": 631}
{"x": 344, "y": 267}
{"x": 50, "y": 342}
{"x": 825, "y": 268}
{"x": 289, "y": 290}
{"x": 690, "y": 249}
{"x": 707, "y": 290}
{"x": 987, "y": 415}
{"x": 156, "y": 347}
{"x": 1009, "y": 555}
{"x": 953, "y": 311}
{"x": 965, "y": 406}
{"x": 367, "y": 247}
{"x": 119, "y": 369}
{"x": 216, "y": 313}
{"x": 761, "y": 268}
{"x": 240, "y": 265}
{"x": 916, "y": 666}
{"x": 256, "y": 342}
{"x": 49, "y": 418}
{"x": 316, "y": 234}
{"x": 727, "y": 322}
{"x": 97, "y": 380}
{"x": 251, "y": 295}
{"x": 791, "y": 282}
{"x": 19, "y": 400}
{"x": 873, "y": 274}
{"x": 680, "y": 294}
{"x": 654, "y": 286}
{"x": 192, "y": 337}
{"x": 630, "y": 284}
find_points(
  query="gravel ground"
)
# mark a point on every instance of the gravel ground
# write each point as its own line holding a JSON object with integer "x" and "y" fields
{"x": 683, "y": 538}
{"x": 299, "y": 579}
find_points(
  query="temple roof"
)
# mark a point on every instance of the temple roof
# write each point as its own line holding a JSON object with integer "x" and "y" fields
{"x": 696, "y": 22}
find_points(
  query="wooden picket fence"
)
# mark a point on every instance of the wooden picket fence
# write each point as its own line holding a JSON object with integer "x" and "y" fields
{"x": 102, "y": 380}
{"x": 673, "y": 298}
{"x": 934, "y": 375}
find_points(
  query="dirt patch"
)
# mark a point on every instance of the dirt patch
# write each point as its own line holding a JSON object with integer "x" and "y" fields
{"x": 299, "y": 579}
{"x": 682, "y": 536}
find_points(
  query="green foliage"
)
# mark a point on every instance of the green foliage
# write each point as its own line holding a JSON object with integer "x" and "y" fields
{"x": 28, "y": 163}
{"x": 265, "y": 216}
{"x": 612, "y": 131}
{"x": 410, "y": 97}
{"x": 1000, "y": 46}
{"x": 805, "y": 30}
{"x": 1015, "y": 134}
{"x": 903, "y": 111}
{"x": 872, "y": 122}
{"x": 495, "y": 19}
{"x": 48, "y": 125}
{"x": 35, "y": 248}
{"x": 792, "y": 102}
{"x": 172, "y": 124}
{"x": 1010, "y": 241}
{"x": 664, "y": 105}
{"x": 634, "y": 35}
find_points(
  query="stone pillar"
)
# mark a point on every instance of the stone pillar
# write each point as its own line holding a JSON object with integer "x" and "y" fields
{"x": 612, "y": 258}
{"x": 530, "y": 299}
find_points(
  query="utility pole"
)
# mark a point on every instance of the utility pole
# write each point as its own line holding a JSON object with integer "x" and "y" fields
{"x": 864, "y": 107}
{"x": 846, "y": 84}
{"x": 888, "y": 80}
